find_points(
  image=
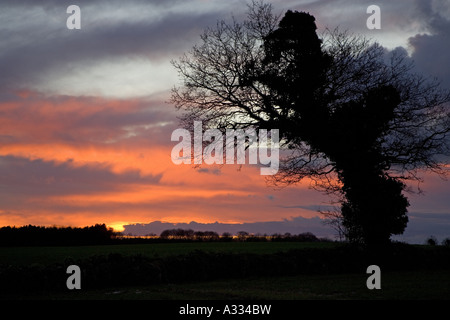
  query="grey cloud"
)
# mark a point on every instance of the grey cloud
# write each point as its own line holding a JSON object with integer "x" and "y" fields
{"x": 38, "y": 43}
{"x": 87, "y": 119}
{"x": 214, "y": 171}
{"x": 22, "y": 177}
{"x": 423, "y": 225}
{"x": 51, "y": 4}
{"x": 422, "y": 25}
{"x": 431, "y": 51}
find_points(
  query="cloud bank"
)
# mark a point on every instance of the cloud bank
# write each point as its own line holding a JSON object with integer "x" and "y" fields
{"x": 294, "y": 225}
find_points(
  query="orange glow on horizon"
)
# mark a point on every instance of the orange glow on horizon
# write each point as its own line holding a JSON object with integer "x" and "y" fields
{"x": 84, "y": 136}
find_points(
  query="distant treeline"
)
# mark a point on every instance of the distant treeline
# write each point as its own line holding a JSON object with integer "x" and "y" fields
{"x": 182, "y": 234}
{"x": 50, "y": 236}
{"x": 100, "y": 234}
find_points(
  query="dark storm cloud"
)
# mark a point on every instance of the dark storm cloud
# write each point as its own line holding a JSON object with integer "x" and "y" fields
{"x": 36, "y": 42}
{"x": 432, "y": 50}
{"x": 66, "y": 3}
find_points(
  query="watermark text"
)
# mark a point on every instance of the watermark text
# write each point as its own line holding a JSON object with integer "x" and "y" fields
{"x": 263, "y": 146}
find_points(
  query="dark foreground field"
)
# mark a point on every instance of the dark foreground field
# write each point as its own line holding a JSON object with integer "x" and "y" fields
{"x": 220, "y": 270}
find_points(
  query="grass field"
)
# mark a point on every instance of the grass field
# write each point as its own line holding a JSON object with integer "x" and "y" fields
{"x": 395, "y": 284}
{"x": 46, "y": 255}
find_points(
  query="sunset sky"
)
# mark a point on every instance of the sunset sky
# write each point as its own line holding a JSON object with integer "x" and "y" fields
{"x": 85, "y": 125}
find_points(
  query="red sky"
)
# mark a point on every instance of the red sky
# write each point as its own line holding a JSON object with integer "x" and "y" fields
{"x": 80, "y": 161}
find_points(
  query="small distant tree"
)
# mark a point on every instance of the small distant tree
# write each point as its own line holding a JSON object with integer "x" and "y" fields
{"x": 166, "y": 234}
{"x": 187, "y": 234}
{"x": 432, "y": 241}
{"x": 242, "y": 235}
{"x": 177, "y": 234}
{"x": 226, "y": 236}
{"x": 211, "y": 235}
{"x": 446, "y": 242}
{"x": 151, "y": 234}
{"x": 307, "y": 237}
{"x": 206, "y": 235}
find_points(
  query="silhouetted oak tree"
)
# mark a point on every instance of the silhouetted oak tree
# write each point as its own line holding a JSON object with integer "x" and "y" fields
{"x": 354, "y": 120}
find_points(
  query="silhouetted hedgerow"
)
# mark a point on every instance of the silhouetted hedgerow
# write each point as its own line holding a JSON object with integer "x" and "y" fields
{"x": 100, "y": 234}
{"x": 49, "y": 236}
